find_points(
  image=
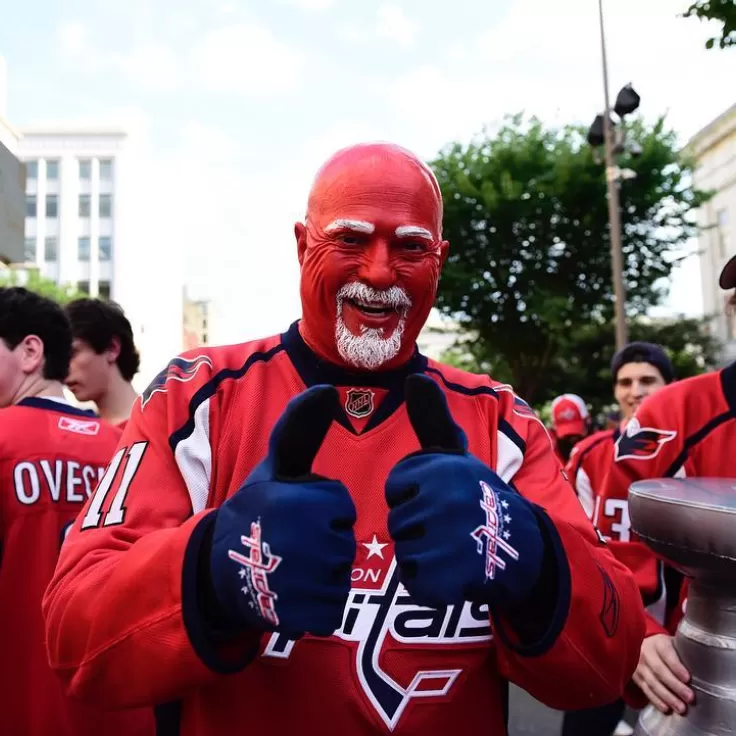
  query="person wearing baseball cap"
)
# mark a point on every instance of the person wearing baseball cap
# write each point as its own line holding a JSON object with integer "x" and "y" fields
{"x": 570, "y": 423}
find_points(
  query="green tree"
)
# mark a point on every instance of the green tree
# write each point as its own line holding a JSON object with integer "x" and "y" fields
{"x": 527, "y": 219}
{"x": 723, "y": 11}
{"x": 583, "y": 366}
{"x": 43, "y": 286}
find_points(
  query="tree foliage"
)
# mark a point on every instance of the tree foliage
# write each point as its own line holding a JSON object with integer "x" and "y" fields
{"x": 526, "y": 215}
{"x": 583, "y": 366}
{"x": 33, "y": 281}
{"x": 723, "y": 11}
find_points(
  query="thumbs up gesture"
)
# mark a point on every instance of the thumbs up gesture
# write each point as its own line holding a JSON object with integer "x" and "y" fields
{"x": 283, "y": 544}
{"x": 460, "y": 532}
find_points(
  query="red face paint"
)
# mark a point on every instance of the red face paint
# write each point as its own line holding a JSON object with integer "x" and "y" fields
{"x": 371, "y": 253}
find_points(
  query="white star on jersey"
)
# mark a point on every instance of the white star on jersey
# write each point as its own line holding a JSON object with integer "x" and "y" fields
{"x": 374, "y": 547}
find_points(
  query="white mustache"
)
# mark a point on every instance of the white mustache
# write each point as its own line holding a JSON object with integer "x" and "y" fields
{"x": 394, "y": 297}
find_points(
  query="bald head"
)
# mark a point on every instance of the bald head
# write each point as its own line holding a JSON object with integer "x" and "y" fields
{"x": 369, "y": 170}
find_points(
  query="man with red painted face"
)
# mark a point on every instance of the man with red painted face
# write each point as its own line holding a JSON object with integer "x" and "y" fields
{"x": 325, "y": 532}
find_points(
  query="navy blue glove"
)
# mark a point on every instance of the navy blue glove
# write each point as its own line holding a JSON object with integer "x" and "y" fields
{"x": 460, "y": 532}
{"x": 283, "y": 544}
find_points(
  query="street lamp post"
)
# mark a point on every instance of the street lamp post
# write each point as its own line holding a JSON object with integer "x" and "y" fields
{"x": 614, "y": 207}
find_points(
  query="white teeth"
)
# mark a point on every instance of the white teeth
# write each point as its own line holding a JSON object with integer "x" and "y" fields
{"x": 362, "y": 295}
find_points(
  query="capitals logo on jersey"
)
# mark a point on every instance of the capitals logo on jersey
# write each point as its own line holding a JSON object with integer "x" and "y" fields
{"x": 381, "y": 623}
{"x": 178, "y": 369}
{"x": 641, "y": 443}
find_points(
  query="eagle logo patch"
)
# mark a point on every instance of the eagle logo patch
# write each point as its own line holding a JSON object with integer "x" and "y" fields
{"x": 641, "y": 443}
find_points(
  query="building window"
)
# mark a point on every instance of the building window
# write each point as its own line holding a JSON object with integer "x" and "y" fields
{"x": 85, "y": 169}
{"x": 50, "y": 249}
{"x": 29, "y": 251}
{"x": 83, "y": 287}
{"x": 52, "y": 206}
{"x": 204, "y": 338}
{"x": 105, "y": 170}
{"x": 30, "y": 205}
{"x": 104, "y": 290}
{"x": 31, "y": 170}
{"x": 83, "y": 249}
{"x": 105, "y": 205}
{"x": 105, "y": 248}
{"x": 52, "y": 170}
{"x": 85, "y": 205}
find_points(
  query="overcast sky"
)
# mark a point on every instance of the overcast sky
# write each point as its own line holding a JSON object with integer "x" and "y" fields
{"x": 231, "y": 106}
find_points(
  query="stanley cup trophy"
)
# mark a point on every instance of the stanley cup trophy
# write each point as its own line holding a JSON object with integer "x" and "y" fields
{"x": 691, "y": 524}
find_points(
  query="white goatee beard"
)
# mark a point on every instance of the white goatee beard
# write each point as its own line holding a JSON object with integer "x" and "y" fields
{"x": 370, "y": 350}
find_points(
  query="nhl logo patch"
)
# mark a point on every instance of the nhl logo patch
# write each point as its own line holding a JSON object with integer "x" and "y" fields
{"x": 359, "y": 402}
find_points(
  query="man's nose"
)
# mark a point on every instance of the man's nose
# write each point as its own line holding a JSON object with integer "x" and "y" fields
{"x": 377, "y": 269}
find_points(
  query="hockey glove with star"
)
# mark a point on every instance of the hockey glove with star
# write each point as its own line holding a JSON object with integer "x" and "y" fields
{"x": 460, "y": 532}
{"x": 283, "y": 544}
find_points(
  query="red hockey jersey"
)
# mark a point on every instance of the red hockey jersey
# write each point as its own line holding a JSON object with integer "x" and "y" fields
{"x": 123, "y": 622}
{"x": 51, "y": 458}
{"x": 686, "y": 429}
{"x": 588, "y": 466}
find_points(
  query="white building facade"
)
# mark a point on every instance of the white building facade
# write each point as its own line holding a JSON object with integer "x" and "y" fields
{"x": 714, "y": 151}
{"x": 73, "y": 207}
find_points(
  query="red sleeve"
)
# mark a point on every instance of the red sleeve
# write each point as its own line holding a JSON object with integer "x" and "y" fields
{"x": 118, "y": 611}
{"x": 597, "y": 624}
{"x": 580, "y": 478}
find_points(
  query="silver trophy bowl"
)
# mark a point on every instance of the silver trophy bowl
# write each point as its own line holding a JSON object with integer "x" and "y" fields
{"x": 691, "y": 524}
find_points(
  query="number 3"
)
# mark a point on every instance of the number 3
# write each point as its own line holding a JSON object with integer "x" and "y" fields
{"x": 611, "y": 510}
{"x": 116, "y": 513}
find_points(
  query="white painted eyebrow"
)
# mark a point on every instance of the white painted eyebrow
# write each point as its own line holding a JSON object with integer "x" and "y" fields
{"x": 411, "y": 231}
{"x": 359, "y": 226}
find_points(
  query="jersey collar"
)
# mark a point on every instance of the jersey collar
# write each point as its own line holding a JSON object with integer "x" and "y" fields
{"x": 39, "y": 402}
{"x": 728, "y": 385}
{"x": 314, "y": 371}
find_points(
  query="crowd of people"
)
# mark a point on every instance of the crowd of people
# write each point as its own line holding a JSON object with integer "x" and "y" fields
{"x": 324, "y": 531}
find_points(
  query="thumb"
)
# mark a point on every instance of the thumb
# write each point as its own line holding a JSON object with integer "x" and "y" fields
{"x": 300, "y": 431}
{"x": 430, "y": 415}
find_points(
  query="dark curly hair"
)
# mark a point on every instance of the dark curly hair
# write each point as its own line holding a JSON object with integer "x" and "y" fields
{"x": 24, "y": 313}
{"x": 98, "y": 322}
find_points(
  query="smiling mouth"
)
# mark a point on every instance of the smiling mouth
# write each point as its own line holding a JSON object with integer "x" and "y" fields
{"x": 375, "y": 309}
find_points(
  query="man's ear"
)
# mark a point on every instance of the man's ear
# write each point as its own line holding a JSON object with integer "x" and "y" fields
{"x": 113, "y": 351}
{"x": 444, "y": 251}
{"x": 300, "y": 233}
{"x": 31, "y": 354}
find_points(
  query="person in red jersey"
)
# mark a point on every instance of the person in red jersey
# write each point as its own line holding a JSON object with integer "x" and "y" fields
{"x": 327, "y": 518}
{"x": 104, "y": 358}
{"x": 638, "y": 370}
{"x": 51, "y": 458}
{"x": 570, "y": 423}
{"x": 687, "y": 430}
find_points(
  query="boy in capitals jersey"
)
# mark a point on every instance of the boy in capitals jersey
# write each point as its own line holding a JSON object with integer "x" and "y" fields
{"x": 51, "y": 458}
{"x": 324, "y": 532}
{"x": 104, "y": 358}
{"x": 638, "y": 370}
{"x": 686, "y": 430}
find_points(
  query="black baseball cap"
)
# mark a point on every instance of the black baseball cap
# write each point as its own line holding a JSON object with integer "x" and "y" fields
{"x": 727, "y": 279}
{"x": 643, "y": 352}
